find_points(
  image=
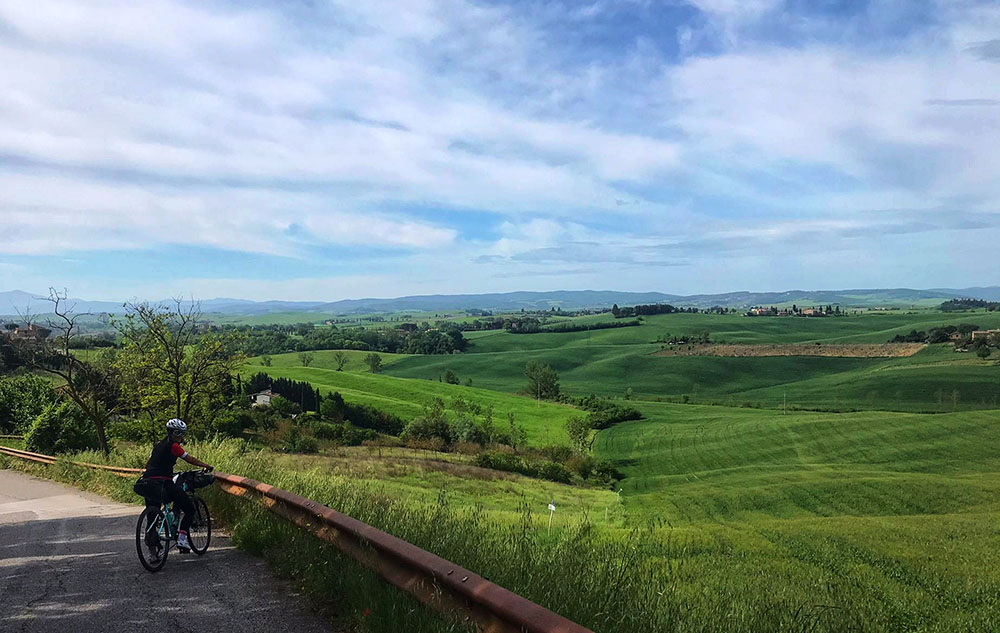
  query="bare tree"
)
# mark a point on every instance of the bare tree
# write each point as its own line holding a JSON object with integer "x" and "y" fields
{"x": 91, "y": 386}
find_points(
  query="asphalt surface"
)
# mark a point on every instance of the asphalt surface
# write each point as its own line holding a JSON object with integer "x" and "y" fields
{"x": 68, "y": 563}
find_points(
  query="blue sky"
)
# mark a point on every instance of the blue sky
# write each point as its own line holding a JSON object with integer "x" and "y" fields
{"x": 336, "y": 149}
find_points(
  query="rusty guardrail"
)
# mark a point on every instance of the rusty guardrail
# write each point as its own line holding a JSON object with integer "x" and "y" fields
{"x": 434, "y": 581}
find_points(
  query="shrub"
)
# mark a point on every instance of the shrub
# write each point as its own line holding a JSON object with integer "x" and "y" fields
{"x": 557, "y": 453}
{"x": 500, "y": 461}
{"x": 345, "y": 434}
{"x": 581, "y": 464}
{"x": 605, "y": 472}
{"x": 232, "y": 423}
{"x": 555, "y": 472}
{"x": 133, "y": 430}
{"x": 22, "y": 399}
{"x": 605, "y": 413}
{"x": 334, "y": 408}
{"x": 465, "y": 429}
{"x": 282, "y": 406}
{"x": 424, "y": 428}
{"x": 290, "y": 438}
{"x": 328, "y": 431}
{"x": 432, "y": 424}
{"x": 61, "y": 428}
{"x": 468, "y": 448}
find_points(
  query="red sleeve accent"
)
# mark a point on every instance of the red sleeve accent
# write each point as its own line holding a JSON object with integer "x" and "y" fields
{"x": 176, "y": 450}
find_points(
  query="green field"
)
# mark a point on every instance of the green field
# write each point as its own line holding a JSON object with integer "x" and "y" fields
{"x": 542, "y": 421}
{"x": 870, "y": 327}
{"x": 614, "y": 361}
{"x": 889, "y": 518}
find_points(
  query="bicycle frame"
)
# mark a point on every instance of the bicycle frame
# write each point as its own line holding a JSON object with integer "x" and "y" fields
{"x": 167, "y": 531}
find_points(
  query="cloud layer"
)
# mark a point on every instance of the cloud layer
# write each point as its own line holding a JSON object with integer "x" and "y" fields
{"x": 508, "y": 147}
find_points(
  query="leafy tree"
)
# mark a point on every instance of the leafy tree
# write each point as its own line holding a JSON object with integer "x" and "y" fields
{"x": 306, "y": 358}
{"x": 450, "y": 377}
{"x": 580, "y": 431}
{"x": 432, "y": 424}
{"x": 283, "y": 407}
{"x": 341, "y": 359}
{"x": 374, "y": 362}
{"x": 265, "y": 360}
{"x": 983, "y": 351}
{"x": 518, "y": 437}
{"x": 173, "y": 358}
{"x": 543, "y": 381}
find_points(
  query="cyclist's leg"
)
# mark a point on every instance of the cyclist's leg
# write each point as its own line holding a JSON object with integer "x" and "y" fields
{"x": 183, "y": 503}
{"x": 152, "y": 537}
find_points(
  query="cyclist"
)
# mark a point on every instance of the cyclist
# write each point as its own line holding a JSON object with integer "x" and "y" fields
{"x": 161, "y": 467}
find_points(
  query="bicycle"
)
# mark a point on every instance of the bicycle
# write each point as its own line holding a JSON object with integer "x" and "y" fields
{"x": 157, "y": 530}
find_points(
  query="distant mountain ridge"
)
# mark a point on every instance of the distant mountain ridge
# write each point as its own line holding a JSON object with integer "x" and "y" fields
{"x": 14, "y": 301}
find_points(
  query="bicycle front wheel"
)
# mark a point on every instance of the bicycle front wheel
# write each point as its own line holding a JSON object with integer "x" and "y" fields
{"x": 149, "y": 544}
{"x": 200, "y": 534}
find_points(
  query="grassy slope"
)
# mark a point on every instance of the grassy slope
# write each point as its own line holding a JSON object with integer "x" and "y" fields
{"x": 866, "y": 328}
{"x": 421, "y": 476}
{"x": 542, "y": 421}
{"x": 609, "y": 362}
{"x": 888, "y": 518}
{"x": 325, "y": 359}
{"x": 721, "y": 464}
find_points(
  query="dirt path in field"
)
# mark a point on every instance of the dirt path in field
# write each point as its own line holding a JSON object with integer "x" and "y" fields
{"x": 841, "y": 350}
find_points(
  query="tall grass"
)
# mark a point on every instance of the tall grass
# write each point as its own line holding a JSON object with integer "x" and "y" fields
{"x": 610, "y": 582}
{"x": 740, "y": 570}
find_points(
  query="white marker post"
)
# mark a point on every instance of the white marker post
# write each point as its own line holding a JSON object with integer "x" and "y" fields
{"x": 552, "y": 510}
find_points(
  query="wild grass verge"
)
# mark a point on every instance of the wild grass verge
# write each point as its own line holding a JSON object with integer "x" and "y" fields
{"x": 608, "y": 584}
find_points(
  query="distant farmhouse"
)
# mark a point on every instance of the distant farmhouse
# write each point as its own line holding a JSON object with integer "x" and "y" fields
{"x": 990, "y": 336}
{"x": 30, "y": 333}
{"x": 774, "y": 311}
{"x": 262, "y": 398}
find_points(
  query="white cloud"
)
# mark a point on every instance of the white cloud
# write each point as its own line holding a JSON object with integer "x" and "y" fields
{"x": 49, "y": 214}
{"x": 271, "y": 130}
{"x": 181, "y": 93}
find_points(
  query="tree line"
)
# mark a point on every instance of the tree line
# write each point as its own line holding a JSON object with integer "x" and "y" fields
{"x": 401, "y": 340}
{"x": 649, "y": 309}
{"x": 959, "y": 305}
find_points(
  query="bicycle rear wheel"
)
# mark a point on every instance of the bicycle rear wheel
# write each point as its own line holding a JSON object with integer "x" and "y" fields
{"x": 149, "y": 544}
{"x": 200, "y": 533}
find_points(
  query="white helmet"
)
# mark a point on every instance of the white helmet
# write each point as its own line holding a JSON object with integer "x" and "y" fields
{"x": 177, "y": 425}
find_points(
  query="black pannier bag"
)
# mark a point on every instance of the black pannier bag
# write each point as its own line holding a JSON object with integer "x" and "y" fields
{"x": 150, "y": 489}
{"x": 192, "y": 480}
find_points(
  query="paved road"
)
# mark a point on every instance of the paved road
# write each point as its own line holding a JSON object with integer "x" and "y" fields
{"x": 68, "y": 564}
